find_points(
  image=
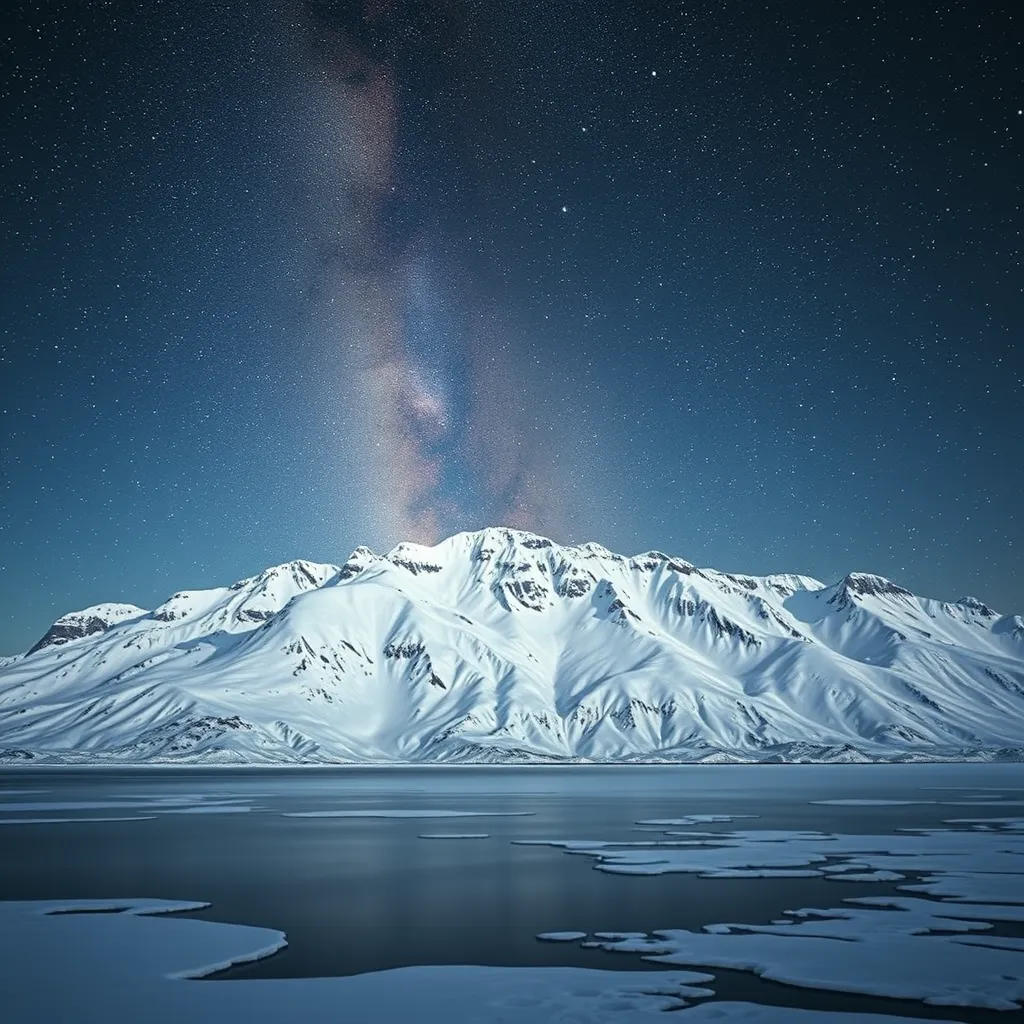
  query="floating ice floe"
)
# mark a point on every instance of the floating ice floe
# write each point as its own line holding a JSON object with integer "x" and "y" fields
{"x": 724, "y": 854}
{"x": 1014, "y": 824}
{"x": 454, "y": 835}
{"x": 871, "y": 803}
{"x": 903, "y": 953}
{"x": 211, "y": 809}
{"x": 417, "y": 813}
{"x": 975, "y": 886}
{"x": 753, "y": 1013}
{"x": 75, "y": 961}
{"x": 79, "y": 805}
{"x": 901, "y": 947}
{"x": 866, "y": 876}
{"x": 162, "y": 804}
{"x": 74, "y": 821}
{"x": 695, "y": 819}
{"x": 983, "y": 803}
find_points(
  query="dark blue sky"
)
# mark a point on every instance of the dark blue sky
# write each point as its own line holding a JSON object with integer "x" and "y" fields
{"x": 739, "y": 282}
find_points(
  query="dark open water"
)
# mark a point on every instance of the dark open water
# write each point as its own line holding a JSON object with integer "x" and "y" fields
{"x": 364, "y": 894}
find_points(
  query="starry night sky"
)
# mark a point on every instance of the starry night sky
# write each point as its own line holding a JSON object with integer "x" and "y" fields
{"x": 736, "y": 281}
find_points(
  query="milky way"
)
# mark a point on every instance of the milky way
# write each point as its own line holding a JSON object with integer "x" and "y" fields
{"x": 739, "y": 283}
{"x": 440, "y": 417}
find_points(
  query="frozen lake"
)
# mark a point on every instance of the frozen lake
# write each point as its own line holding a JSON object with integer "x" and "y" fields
{"x": 371, "y": 869}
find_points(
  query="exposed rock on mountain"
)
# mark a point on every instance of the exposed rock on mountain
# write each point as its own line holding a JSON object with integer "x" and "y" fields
{"x": 503, "y": 646}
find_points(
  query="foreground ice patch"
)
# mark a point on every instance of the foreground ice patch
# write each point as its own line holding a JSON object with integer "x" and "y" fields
{"x": 902, "y": 953}
{"x": 76, "y": 961}
{"x": 901, "y": 947}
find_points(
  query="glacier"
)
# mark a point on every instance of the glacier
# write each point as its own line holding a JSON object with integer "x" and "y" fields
{"x": 502, "y": 646}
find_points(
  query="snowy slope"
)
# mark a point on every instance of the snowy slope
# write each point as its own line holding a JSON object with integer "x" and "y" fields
{"x": 501, "y": 645}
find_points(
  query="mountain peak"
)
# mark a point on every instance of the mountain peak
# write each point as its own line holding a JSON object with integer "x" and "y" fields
{"x": 500, "y": 535}
{"x": 360, "y": 559}
{"x": 976, "y": 605}
{"x": 507, "y": 646}
{"x": 866, "y": 584}
{"x": 301, "y": 569}
{"x": 789, "y": 583}
{"x": 96, "y": 619}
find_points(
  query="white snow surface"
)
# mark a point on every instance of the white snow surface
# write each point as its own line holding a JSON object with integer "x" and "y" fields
{"x": 63, "y": 964}
{"x": 455, "y": 835}
{"x": 501, "y": 645}
{"x": 902, "y": 947}
{"x": 695, "y": 819}
{"x": 966, "y": 854}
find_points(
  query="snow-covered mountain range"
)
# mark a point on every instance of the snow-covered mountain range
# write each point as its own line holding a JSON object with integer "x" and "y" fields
{"x": 502, "y": 646}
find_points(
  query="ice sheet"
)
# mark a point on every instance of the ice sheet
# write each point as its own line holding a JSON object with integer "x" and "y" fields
{"x": 64, "y": 821}
{"x": 454, "y": 835}
{"x": 132, "y": 966}
{"x": 752, "y": 1013}
{"x": 695, "y": 819}
{"x": 879, "y": 952}
{"x": 888, "y": 946}
{"x": 963, "y": 852}
{"x": 417, "y": 813}
{"x": 979, "y": 886}
{"x": 84, "y": 805}
{"x": 161, "y": 804}
{"x": 1015, "y": 824}
{"x": 871, "y": 803}
{"x": 211, "y": 809}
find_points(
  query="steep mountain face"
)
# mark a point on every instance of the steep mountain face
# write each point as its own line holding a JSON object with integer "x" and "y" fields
{"x": 503, "y": 646}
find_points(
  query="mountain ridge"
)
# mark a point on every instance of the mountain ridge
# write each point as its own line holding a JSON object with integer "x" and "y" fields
{"x": 501, "y": 645}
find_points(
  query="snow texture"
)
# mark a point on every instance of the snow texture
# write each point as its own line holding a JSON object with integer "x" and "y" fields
{"x": 501, "y": 646}
{"x": 134, "y": 963}
{"x": 132, "y": 966}
{"x": 902, "y": 947}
